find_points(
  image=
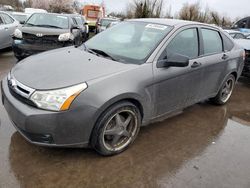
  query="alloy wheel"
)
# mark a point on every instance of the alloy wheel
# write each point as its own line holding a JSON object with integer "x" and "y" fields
{"x": 120, "y": 130}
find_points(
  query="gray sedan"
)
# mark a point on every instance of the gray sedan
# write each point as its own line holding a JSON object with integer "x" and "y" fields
{"x": 7, "y": 27}
{"x": 135, "y": 73}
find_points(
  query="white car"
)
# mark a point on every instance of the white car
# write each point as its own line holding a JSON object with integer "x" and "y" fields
{"x": 8, "y": 25}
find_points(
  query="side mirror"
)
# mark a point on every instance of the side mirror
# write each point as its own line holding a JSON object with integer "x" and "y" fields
{"x": 22, "y": 22}
{"x": 86, "y": 23}
{"x": 99, "y": 24}
{"x": 74, "y": 27}
{"x": 175, "y": 60}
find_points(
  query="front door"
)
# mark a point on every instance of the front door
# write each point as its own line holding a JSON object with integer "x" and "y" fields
{"x": 178, "y": 87}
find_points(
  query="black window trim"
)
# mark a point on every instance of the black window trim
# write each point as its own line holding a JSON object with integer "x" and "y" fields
{"x": 202, "y": 44}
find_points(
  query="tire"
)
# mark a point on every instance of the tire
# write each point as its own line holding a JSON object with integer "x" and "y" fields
{"x": 225, "y": 91}
{"x": 116, "y": 129}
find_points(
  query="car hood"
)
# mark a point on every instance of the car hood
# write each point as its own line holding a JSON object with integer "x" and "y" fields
{"x": 245, "y": 43}
{"x": 64, "y": 67}
{"x": 43, "y": 30}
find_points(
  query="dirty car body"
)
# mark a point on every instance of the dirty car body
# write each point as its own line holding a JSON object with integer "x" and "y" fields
{"x": 141, "y": 78}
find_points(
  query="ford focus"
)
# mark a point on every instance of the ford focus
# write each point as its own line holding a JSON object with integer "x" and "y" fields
{"x": 99, "y": 94}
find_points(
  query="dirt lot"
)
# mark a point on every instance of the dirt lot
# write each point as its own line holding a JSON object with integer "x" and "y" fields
{"x": 206, "y": 146}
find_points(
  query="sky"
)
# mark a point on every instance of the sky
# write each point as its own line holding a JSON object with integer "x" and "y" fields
{"x": 230, "y": 8}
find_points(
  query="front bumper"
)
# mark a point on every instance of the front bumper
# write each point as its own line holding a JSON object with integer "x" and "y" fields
{"x": 71, "y": 128}
{"x": 23, "y": 49}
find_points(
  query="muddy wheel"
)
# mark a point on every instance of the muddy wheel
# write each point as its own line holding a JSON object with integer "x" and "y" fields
{"x": 225, "y": 92}
{"x": 116, "y": 129}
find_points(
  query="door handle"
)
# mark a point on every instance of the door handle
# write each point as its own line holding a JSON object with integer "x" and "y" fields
{"x": 195, "y": 65}
{"x": 225, "y": 56}
{"x": 6, "y": 28}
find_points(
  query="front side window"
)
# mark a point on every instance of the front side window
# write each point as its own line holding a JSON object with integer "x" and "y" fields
{"x": 48, "y": 20}
{"x": 185, "y": 43}
{"x": 212, "y": 41}
{"x": 7, "y": 19}
{"x": 130, "y": 42}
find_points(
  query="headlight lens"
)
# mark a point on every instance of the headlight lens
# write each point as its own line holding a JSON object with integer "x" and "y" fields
{"x": 18, "y": 33}
{"x": 66, "y": 37}
{"x": 57, "y": 100}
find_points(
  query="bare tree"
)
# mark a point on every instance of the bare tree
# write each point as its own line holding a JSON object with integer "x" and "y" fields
{"x": 145, "y": 9}
{"x": 56, "y": 6}
{"x": 190, "y": 12}
{"x": 16, "y": 4}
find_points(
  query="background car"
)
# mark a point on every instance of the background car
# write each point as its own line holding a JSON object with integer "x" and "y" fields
{"x": 82, "y": 24}
{"x": 236, "y": 34}
{"x": 45, "y": 31}
{"x": 242, "y": 40}
{"x": 8, "y": 24}
{"x": 112, "y": 24}
{"x": 103, "y": 23}
{"x": 20, "y": 16}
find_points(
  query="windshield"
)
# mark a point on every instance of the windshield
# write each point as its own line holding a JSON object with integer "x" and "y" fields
{"x": 48, "y": 20}
{"x": 105, "y": 22}
{"x": 130, "y": 42}
{"x": 20, "y": 18}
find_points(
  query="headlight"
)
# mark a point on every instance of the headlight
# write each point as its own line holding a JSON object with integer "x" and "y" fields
{"x": 66, "y": 37}
{"x": 57, "y": 100}
{"x": 18, "y": 34}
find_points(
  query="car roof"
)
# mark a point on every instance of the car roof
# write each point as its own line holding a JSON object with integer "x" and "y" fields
{"x": 19, "y": 13}
{"x": 172, "y": 22}
{"x": 56, "y": 14}
{"x": 108, "y": 18}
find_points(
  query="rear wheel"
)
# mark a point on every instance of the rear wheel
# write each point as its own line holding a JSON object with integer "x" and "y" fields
{"x": 116, "y": 129}
{"x": 225, "y": 92}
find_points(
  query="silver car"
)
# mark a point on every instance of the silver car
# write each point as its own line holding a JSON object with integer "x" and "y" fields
{"x": 133, "y": 74}
{"x": 8, "y": 24}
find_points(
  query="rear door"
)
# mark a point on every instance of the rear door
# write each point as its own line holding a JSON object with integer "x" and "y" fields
{"x": 214, "y": 61}
{"x": 9, "y": 28}
{"x": 3, "y": 33}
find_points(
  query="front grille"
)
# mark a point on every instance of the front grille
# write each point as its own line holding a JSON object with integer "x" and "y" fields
{"x": 21, "y": 98}
{"x": 20, "y": 91}
{"x": 44, "y": 40}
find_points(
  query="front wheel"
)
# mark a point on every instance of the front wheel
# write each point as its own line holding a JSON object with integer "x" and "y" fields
{"x": 225, "y": 92}
{"x": 116, "y": 129}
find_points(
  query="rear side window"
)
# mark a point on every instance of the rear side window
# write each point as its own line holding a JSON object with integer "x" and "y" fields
{"x": 228, "y": 44}
{"x": 7, "y": 19}
{"x": 184, "y": 43}
{"x": 212, "y": 41}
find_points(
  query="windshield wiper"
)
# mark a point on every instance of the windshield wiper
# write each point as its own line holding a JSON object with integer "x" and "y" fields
{"x": 102, "y": 53}
{"x": 30, "y": 24}
{"x": 98, "y": 52}
{"x": 52, "y": 26}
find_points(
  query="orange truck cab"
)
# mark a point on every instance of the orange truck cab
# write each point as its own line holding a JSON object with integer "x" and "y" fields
{"x": 92, "y": 13}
